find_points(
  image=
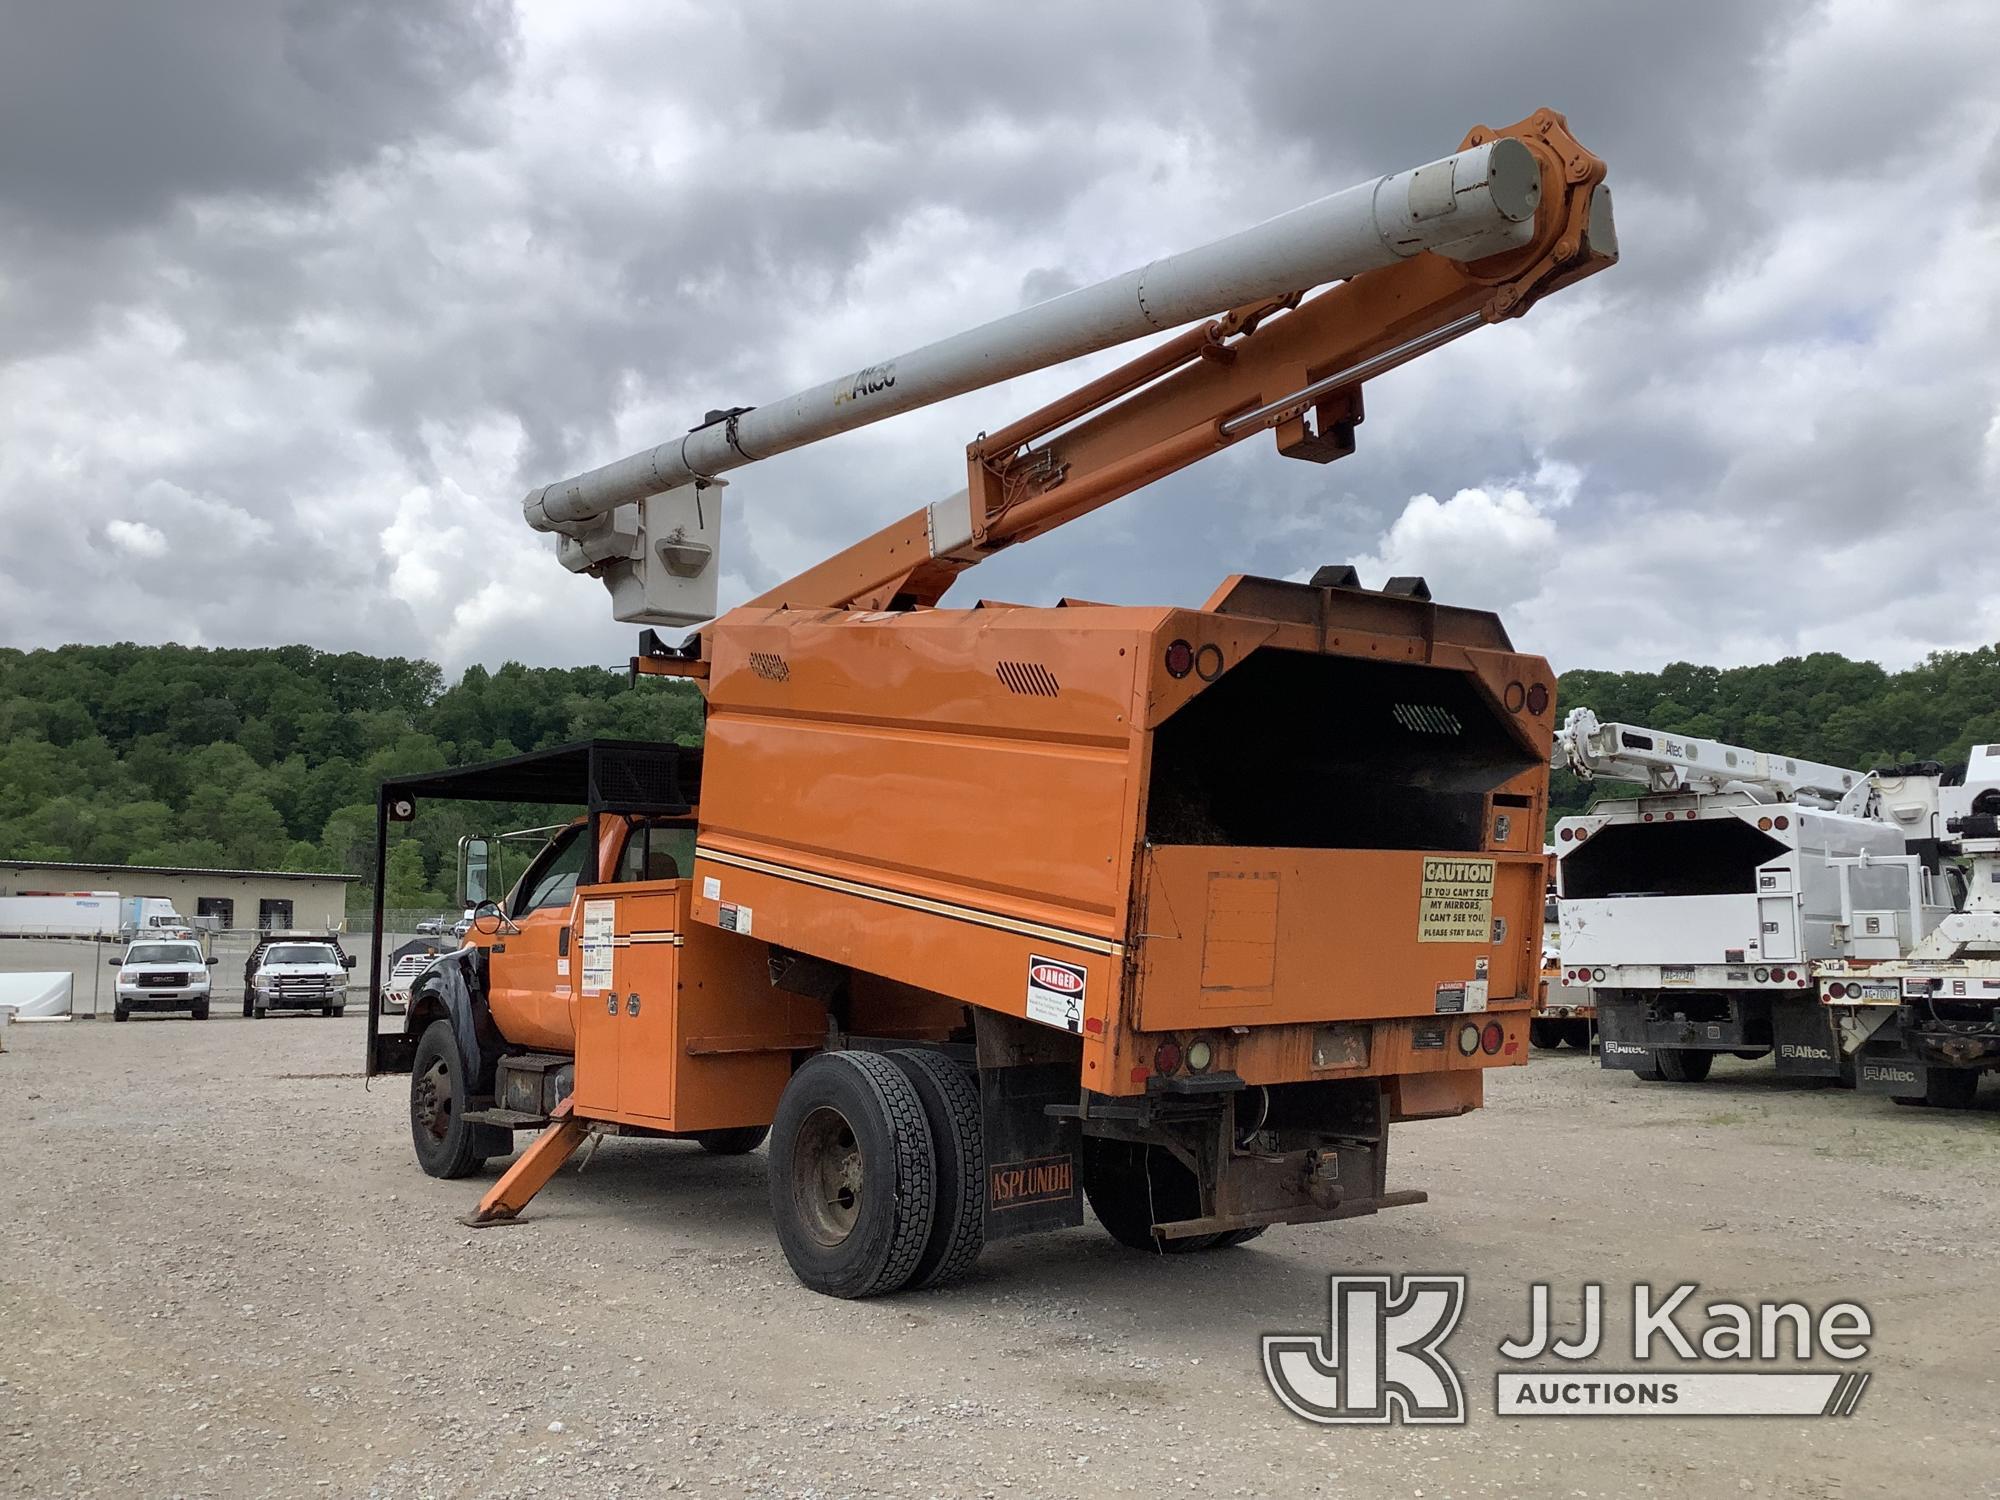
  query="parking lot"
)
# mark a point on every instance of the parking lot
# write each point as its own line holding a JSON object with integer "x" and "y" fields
{"x": 221, "y": 1274}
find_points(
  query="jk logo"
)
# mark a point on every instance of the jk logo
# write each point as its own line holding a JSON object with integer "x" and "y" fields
{"x": 1380, "y": 1361}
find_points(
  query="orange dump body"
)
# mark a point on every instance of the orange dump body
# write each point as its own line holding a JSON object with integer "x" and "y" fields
{"x": 1301, "y": 825}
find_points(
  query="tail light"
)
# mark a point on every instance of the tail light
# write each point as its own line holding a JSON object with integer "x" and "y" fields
{"x": 1200, "y": 1056}
{"x": 1167, "y": 1058}
{"x": 1781, "y": 822}
{"x": 1180, "y": 659}
{"x": 1836, "y": 992}
{"x": 1760, "y": 975}
{"x": 1597, "y": 976}
{"x": 1468, "y": 1038}
{"x": 1491, "y": 1036}
{"x": 1566, "y": 834}
{"x": 1538, "y": 699}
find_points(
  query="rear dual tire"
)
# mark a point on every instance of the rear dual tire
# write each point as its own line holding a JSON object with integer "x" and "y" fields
{"x": 1132, "y": 1187}
{"x": 1682, "y": 1064}
{"x": 853, "y": 1175}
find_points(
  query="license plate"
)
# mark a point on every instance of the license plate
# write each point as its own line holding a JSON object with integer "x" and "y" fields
{"x": 1881, "y": 990}
{"x": 1677, "y": 974}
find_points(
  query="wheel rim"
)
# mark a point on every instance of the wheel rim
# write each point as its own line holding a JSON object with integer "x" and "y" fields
{"x": 430, "y": 1101}
{"x": 827, "y": 1176}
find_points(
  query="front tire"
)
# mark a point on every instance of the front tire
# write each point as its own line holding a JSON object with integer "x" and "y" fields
{"x": 1682, "y": 1065}
{"x": 201, "y": 1012}
{"x": 120, "y": 1013}
{"x": 443, "y": 1137}
{"x": 853, "y": 1176}
{"x": 741, "y": 1140}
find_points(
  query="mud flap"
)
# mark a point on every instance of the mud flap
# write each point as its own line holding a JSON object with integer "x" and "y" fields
{"x": 1803, "y": 1036}
{"x": 1033, "y": 1176}
{"x": 1621, "y": 1035}
{"x": 479, "y": 1043}
{"x": 1883, "y": 1071}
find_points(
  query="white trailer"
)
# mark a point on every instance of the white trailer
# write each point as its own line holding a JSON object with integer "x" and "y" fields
{"x": 73, "y": 914}
{"x": 1695, "y": 911}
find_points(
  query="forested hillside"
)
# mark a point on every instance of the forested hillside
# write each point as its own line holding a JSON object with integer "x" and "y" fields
{"x": 270, "y": 758}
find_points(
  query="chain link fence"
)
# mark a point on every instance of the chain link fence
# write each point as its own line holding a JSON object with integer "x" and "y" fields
{"x": 93, "y": 979}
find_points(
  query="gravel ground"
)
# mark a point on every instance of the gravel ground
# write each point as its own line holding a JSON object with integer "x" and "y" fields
{"x": 222, "y": 1274}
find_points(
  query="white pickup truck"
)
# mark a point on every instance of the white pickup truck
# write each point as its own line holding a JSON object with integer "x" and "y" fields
{"x": 162, "y": 974}
{"x": 296, "y": 971}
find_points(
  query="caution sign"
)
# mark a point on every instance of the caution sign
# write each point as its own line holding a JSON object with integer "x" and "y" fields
{"x": 1456, "y": 905}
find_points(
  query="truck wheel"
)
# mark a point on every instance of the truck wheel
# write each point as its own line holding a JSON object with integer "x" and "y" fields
{"x": 1238, "y": 1237}
{"x": 439, "y": 1130}
{"x": 1577, "y": 1034}
{"x": 339, "y": 1011}
{"x": 1680, "y": 1065}
{"x": 958, "y": 1141}
{"x": 246, "y": 1007}
{"x": 1950, "y": 1088}
{"x": 120, "y": 1013}
{"x": 326, "y": 1010}
{"x": 1133, "y": 1187}
{"x": 1545, "y": 1035}
{"x": 739, "y": 1141}
{"x": 853, "y": 1178}
{"x": 201, "y": 1012}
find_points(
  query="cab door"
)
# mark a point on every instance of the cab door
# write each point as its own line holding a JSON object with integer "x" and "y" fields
{"x": 529, "y": 984}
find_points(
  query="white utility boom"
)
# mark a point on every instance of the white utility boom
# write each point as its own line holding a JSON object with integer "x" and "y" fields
{"x": 645, "y": 528}
{"x": 1681, "y": 763}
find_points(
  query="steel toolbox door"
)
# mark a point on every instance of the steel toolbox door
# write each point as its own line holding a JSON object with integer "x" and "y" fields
{"x": 1229, "y": 936}
{"x": 625, "y": 951}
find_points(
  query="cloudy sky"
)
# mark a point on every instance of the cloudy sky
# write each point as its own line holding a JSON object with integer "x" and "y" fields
{"x": 296, "y": 301}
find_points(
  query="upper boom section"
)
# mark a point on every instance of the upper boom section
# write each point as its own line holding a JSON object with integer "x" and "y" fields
{"x": 1468, "y": 205}
{"x": 1421, "y": 257}
{"x": 1681, "y": 763}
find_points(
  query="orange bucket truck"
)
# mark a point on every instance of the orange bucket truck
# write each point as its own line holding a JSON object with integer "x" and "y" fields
{"x": 984, "y": 913}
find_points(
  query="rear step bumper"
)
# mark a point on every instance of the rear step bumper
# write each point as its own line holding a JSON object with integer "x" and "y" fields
{"x": 1352, "y": 1209}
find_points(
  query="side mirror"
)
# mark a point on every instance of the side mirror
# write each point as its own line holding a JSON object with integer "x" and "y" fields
{"x": 116, "y": 963}
{"x": 474, "y": 871}
{"x": 348, "y": 961}
{"x": 212, "y": 962}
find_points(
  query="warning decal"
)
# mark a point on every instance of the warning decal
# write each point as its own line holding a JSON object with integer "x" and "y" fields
{"x": 1456, "y": 904}
{"x": 600, "y": 920}
{"x": 1055, "y": 993}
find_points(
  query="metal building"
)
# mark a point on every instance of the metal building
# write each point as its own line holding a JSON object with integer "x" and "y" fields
{"x": 260, "y": 899}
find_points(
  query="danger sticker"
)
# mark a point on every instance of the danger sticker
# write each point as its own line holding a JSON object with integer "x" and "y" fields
{"x": 1456, "y": 904}
{"x": 1055, "y": 993}
{"x": 734, "y": 917}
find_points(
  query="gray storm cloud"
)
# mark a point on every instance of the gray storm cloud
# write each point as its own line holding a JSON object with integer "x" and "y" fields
{"x": 297, "y": 300}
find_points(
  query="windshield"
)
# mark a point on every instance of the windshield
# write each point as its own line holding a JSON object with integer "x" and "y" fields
{"x": 301, "y": 953}
{"x": 164, "y": 953}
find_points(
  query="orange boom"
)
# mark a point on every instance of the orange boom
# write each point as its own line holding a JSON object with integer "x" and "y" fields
{"x": 985, "y": 912}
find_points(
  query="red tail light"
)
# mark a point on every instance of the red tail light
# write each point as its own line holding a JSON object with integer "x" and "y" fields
{"x": 1180, "y": 659}
{"x": 1836, "y": 992}
{"x": 1491, "y": 1037}
{"x": 1167, "y": 1058}
{"x": 1781, "y": 822}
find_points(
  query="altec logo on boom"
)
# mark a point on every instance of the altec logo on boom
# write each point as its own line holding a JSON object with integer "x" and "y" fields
{"x": 1382, "y": 1359}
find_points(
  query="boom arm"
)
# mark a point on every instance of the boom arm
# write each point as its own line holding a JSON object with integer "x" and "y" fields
{"x": 1681, "y": 763}
{"x": 1287, "y": 365}
{"x": 1428, "y": 255}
